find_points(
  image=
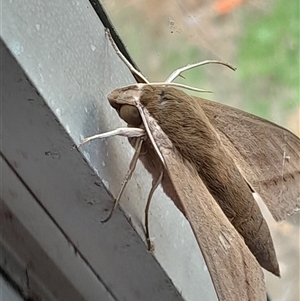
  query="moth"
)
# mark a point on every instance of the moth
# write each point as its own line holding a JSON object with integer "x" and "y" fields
{"x": 210, "y": 158}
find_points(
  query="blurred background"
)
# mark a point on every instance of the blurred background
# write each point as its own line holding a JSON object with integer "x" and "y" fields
{"x": 260, "y": 38}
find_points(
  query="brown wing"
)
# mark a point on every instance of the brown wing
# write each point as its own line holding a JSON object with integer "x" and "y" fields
{"x": 267, "y": 155}
{"x": 235, "y": 272}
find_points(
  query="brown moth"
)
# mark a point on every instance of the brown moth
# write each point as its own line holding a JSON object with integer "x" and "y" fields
{"x": 209, "y": 159}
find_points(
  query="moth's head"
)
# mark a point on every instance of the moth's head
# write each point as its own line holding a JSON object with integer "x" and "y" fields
{"x": 159, "y": 100}
{"x": 124, "y": 101}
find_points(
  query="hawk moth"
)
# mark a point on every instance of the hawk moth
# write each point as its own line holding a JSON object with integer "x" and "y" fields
{"x": 210, "y": 158}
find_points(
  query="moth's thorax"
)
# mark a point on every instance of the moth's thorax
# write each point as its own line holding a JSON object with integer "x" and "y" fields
{"x": 180, "y": 116}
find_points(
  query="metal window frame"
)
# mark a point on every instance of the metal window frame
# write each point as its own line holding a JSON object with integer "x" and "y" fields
{"x": 57, "y": 67}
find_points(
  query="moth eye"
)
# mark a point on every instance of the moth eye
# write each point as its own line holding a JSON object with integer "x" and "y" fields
{"x": 131, "y": 115}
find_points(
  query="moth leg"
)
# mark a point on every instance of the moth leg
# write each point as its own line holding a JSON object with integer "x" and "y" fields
{"x": 126, "y": 132}
{"x": 178, "y": 71}
{"x": 123, "y": 58}
{"x": 130, "y": 171}
{"x": 155, "y": 183}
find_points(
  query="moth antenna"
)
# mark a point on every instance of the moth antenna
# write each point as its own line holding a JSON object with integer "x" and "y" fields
{"x": 126, "y": 132}
{"x": 123, "y": 58}
{"x": 129, "y": 173}
{"x": 153, "y": 188}
{"x": 150, "y": 134}
{"x": 180, "y": 86}
{"x": 177, "y": 72}
{"x": 171, "y": 78}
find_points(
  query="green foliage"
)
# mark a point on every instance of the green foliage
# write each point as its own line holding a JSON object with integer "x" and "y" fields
{"x": 269, "y": 57}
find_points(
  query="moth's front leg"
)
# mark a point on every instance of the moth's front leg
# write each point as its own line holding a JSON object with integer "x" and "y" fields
{"x": 132, "y": 165}
{"x": 138, "y": 136}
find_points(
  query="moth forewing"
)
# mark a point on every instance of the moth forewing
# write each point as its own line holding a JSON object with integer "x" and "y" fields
{"x": 235, "y": 272}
